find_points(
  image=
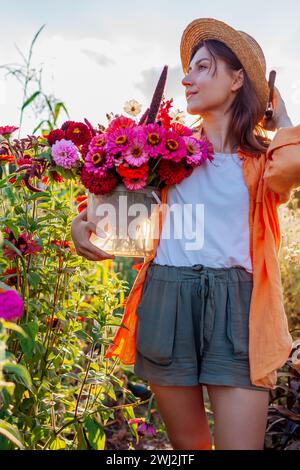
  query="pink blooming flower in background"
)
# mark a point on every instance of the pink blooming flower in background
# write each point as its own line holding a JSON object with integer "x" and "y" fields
{"x": 136, "y": 155}
{"x": 11, "y": 305}
{"x": 196, "y": 152}
{"x": 154, "y": 139}
{"x": 175, "y": 148}
{"x": 25, "y": 244}
{"x": 65, "y": 153}
{"x": 134, "y": 184}
{"x": 120, "y": 122}
{"x": 118, "y": 141}
{"x": 146, "y": 429}
{"x": 7, "y": 130}
{"x": 98, "y": 158}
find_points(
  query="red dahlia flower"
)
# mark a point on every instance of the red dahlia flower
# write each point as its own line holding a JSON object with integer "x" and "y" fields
{"x": 79, "y": 133}
{"x": 172, "y": 172}
{"x": 97, "y": 185}
{"x": 55, "y": 135}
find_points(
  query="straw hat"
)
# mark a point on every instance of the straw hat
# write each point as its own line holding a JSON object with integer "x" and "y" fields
{"x": 242, "y": 44}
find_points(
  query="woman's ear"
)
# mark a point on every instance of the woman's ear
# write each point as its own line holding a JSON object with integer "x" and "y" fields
{"x": 238, "y": 79}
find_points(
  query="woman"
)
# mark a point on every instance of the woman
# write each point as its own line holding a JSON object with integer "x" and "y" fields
{"x": 193, "y": 306}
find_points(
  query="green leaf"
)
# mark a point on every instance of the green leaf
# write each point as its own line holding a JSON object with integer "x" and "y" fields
{"x": 28, "y": 344}
{"x": 58, "y": 444}
{"x": 30, "y": 99}
{"x": 57, "y": 108}
{"x": 18, "y": 373}
{"x": 13, "y": 326}
{"x": 11, "y": 433}
{"x": 95, "y": 433}
{"x": 13, "y": 227}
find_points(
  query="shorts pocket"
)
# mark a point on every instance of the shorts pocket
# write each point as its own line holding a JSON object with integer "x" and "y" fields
{"x": 156, "y": 322}
{"x": 238, "y": 308}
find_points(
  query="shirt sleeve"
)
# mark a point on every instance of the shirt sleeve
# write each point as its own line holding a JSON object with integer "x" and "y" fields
{"x": 282, "y": 169}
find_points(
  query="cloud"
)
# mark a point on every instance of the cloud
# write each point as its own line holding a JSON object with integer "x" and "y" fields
{"x": 100, "y": 59}
{"x": 150, "y": 78}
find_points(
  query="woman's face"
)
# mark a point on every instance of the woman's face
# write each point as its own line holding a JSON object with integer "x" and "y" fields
{"x": 210, "y": 92}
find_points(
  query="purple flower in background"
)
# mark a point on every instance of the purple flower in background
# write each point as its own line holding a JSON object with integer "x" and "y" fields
{"x": 11, "y": 304}
{"x": 65, "y": 153}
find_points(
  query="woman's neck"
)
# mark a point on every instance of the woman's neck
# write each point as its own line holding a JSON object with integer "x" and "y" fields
{"x": 216, "y": 132}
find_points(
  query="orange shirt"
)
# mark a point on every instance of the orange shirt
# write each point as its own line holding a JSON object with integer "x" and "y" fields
{"x": 270, "y": 342}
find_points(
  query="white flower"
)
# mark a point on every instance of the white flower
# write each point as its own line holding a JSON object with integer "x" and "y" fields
{"x": 132, "y": 107}
{"x": 178, "y": 116}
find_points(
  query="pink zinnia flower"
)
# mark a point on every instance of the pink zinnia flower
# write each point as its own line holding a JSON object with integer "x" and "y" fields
{"x": 120, "y": 122}
{"x": 7, "y": 130}
{"x": 118, "y": 141}
{"x": 98, "y": 158}
{"x": 154, "y": 139}
{"x": 97, "y": 142}
{"x": 197, "y": 151}
{"x": 65, "y": 153}
{"x": 136, "y": 155}
{"x": 134, "y": 183}
{"x": 175, "y": 148}
{"x": 11, "y": 305}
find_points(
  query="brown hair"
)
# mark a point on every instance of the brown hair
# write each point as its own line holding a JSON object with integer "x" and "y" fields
{"x": 244, "y": 127}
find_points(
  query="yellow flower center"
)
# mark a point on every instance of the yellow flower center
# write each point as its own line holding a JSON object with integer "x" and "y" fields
{"x": 136, "y": 152}
{"x": 100, "y": 142}
{"x": 153, "y": 138}
{"x": 122, "y": 139}
{"x": 190, "y": 149}
{"x": 172, "y": 145}
{"x": 76, "y": 130}
{"x": 96, "y": 158}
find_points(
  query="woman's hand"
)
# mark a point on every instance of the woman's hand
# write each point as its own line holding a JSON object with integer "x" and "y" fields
{"x": 80, "y": 233}
{"x": 280, "y": 116}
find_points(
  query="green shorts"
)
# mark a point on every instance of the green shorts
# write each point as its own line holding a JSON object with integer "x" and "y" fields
{"x": 193, "y": 326}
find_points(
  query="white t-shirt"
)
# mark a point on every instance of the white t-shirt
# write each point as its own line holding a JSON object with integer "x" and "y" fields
{"x": 209, "y": 221}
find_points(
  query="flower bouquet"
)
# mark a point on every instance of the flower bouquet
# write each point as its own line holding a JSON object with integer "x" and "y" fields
{"x": 127, "y": 165}
{"x": 123, "y": 167}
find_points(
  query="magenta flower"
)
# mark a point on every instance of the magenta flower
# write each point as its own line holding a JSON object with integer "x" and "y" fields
{"x": 196, "y": 151}
{"x": 118, "y": 141}
{"x": 175, "y": 148}
{"x": 146, "y": 429}
{"x": 11, "y": 305}
{"x": 154, "y": 139}
{"x": 98, "y": 142}
{"x": 98, "y": 159}
{"x": 136, "y": 155}
{"x": 65, "y": 153}
{"x": 7, "y": 130}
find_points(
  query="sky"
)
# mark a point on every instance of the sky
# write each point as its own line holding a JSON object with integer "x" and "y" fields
{"x": 96, "y": 55}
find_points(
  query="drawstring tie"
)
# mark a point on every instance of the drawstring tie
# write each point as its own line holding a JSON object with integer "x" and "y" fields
{"x": 205, "y": 290}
